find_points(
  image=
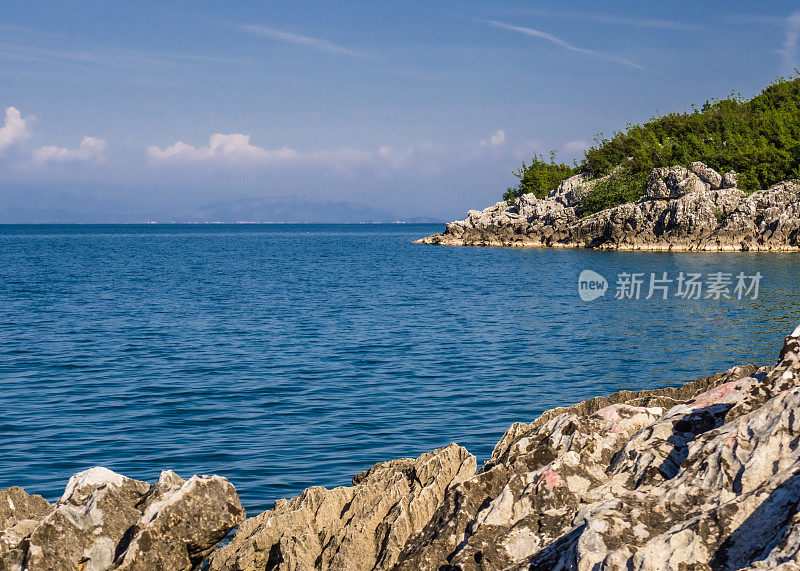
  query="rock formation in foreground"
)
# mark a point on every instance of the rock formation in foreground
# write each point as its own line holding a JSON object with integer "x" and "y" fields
{"x": 702, "y": 476}
{"x": 682, "y": 209}
{"x": 107, "y": 521}
{"x": 360, "y": 527}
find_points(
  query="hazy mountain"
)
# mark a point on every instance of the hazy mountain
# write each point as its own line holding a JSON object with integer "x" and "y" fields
{"x": 294, "y": 210}
{"x": 36, "y": 205}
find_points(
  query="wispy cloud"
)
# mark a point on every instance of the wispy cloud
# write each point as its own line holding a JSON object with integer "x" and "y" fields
{"x": 123, "y": 60}
{"x": 300, "y": 40}
{"x": 616, "y": 19}
{"x": 754, "y": 19}
{"x": 7, "y": 30}
{"x": 564, "y": 44}
{"x": 656, "y": 23}
{"x": 789, "y": 48}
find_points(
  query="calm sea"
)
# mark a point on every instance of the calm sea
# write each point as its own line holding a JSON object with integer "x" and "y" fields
{"x": 283, "y": 356}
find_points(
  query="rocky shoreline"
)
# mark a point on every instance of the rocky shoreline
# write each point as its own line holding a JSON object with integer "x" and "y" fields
{"x": 682, "y": 209}
{"x": 700, "y": 476}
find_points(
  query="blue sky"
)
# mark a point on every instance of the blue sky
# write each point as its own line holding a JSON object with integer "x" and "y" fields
{"x": 132, "y": 111}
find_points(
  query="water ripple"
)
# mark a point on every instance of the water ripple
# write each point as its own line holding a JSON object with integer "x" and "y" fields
{"x": 286, "y": 356}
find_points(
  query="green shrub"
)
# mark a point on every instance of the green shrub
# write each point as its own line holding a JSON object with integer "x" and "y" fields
{"x": 538, "y": 178}
{"x": 625, "y": 185}
{"x": 758, "y": 138}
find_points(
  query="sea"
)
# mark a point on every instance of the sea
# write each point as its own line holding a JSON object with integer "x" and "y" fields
{"x": 285, "y": 356}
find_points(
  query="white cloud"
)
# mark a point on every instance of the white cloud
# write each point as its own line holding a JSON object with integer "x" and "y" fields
{"x": 297, "y": 39}
{"x": 227, "y": 148}
{"x": 496, "y": 140}
{"x": 14, "y": 130}
{"x": 235, "y": 149}
{"x": 563, "y": 44}
{"x": 575, "y": 146}
{"x": 789, "y": 49}
{"x": 90, "y": 149}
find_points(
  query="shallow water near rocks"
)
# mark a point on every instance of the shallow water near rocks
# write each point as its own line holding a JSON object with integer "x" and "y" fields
{"x": 284, "y": 356}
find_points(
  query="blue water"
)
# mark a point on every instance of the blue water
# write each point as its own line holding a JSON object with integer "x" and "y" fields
{"x": 286, "y": 356}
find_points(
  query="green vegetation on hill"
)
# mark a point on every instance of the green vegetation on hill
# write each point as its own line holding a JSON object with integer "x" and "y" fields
{"x": 758, "y": 138}
{"x": 539, "y": 177}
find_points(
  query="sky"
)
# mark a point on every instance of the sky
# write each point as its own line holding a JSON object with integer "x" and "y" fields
{"x": 136, "y": 111}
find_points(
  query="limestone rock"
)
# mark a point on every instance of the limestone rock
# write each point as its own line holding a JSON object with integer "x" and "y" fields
{"x": 181, "y": 523}
{"x": 87, "y": 523}
{"x": 570, "y": 192}
{"x": 19, "y": 513}
{"x": 359, "y": 527}
{"x": 701, "y": 476}
{"x": 543, "y": 475}
{"x": 105, "y": 520}
{"x": 673, "y": 182}
{"x": 691, "y": 477}
{"x": 730, "y": 180}
{"x": 16, "y": 505}
{"x": 682, "y": 209}
{"x": 707, "y": 175}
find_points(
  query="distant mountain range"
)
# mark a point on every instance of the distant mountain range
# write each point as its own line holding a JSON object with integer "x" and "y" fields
{"x": 68, "y": 210}
{"x": 297, "y": 211}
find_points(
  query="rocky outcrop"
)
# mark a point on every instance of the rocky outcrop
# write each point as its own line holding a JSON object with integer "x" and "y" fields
{"x": 107, "y": 521}
{"x": 681, "y": 209}
{"x": 701, "y": 476}
{"x": 360, "y": 527}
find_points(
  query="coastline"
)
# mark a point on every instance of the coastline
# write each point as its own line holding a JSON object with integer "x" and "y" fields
{"x": 494, "y": 243}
